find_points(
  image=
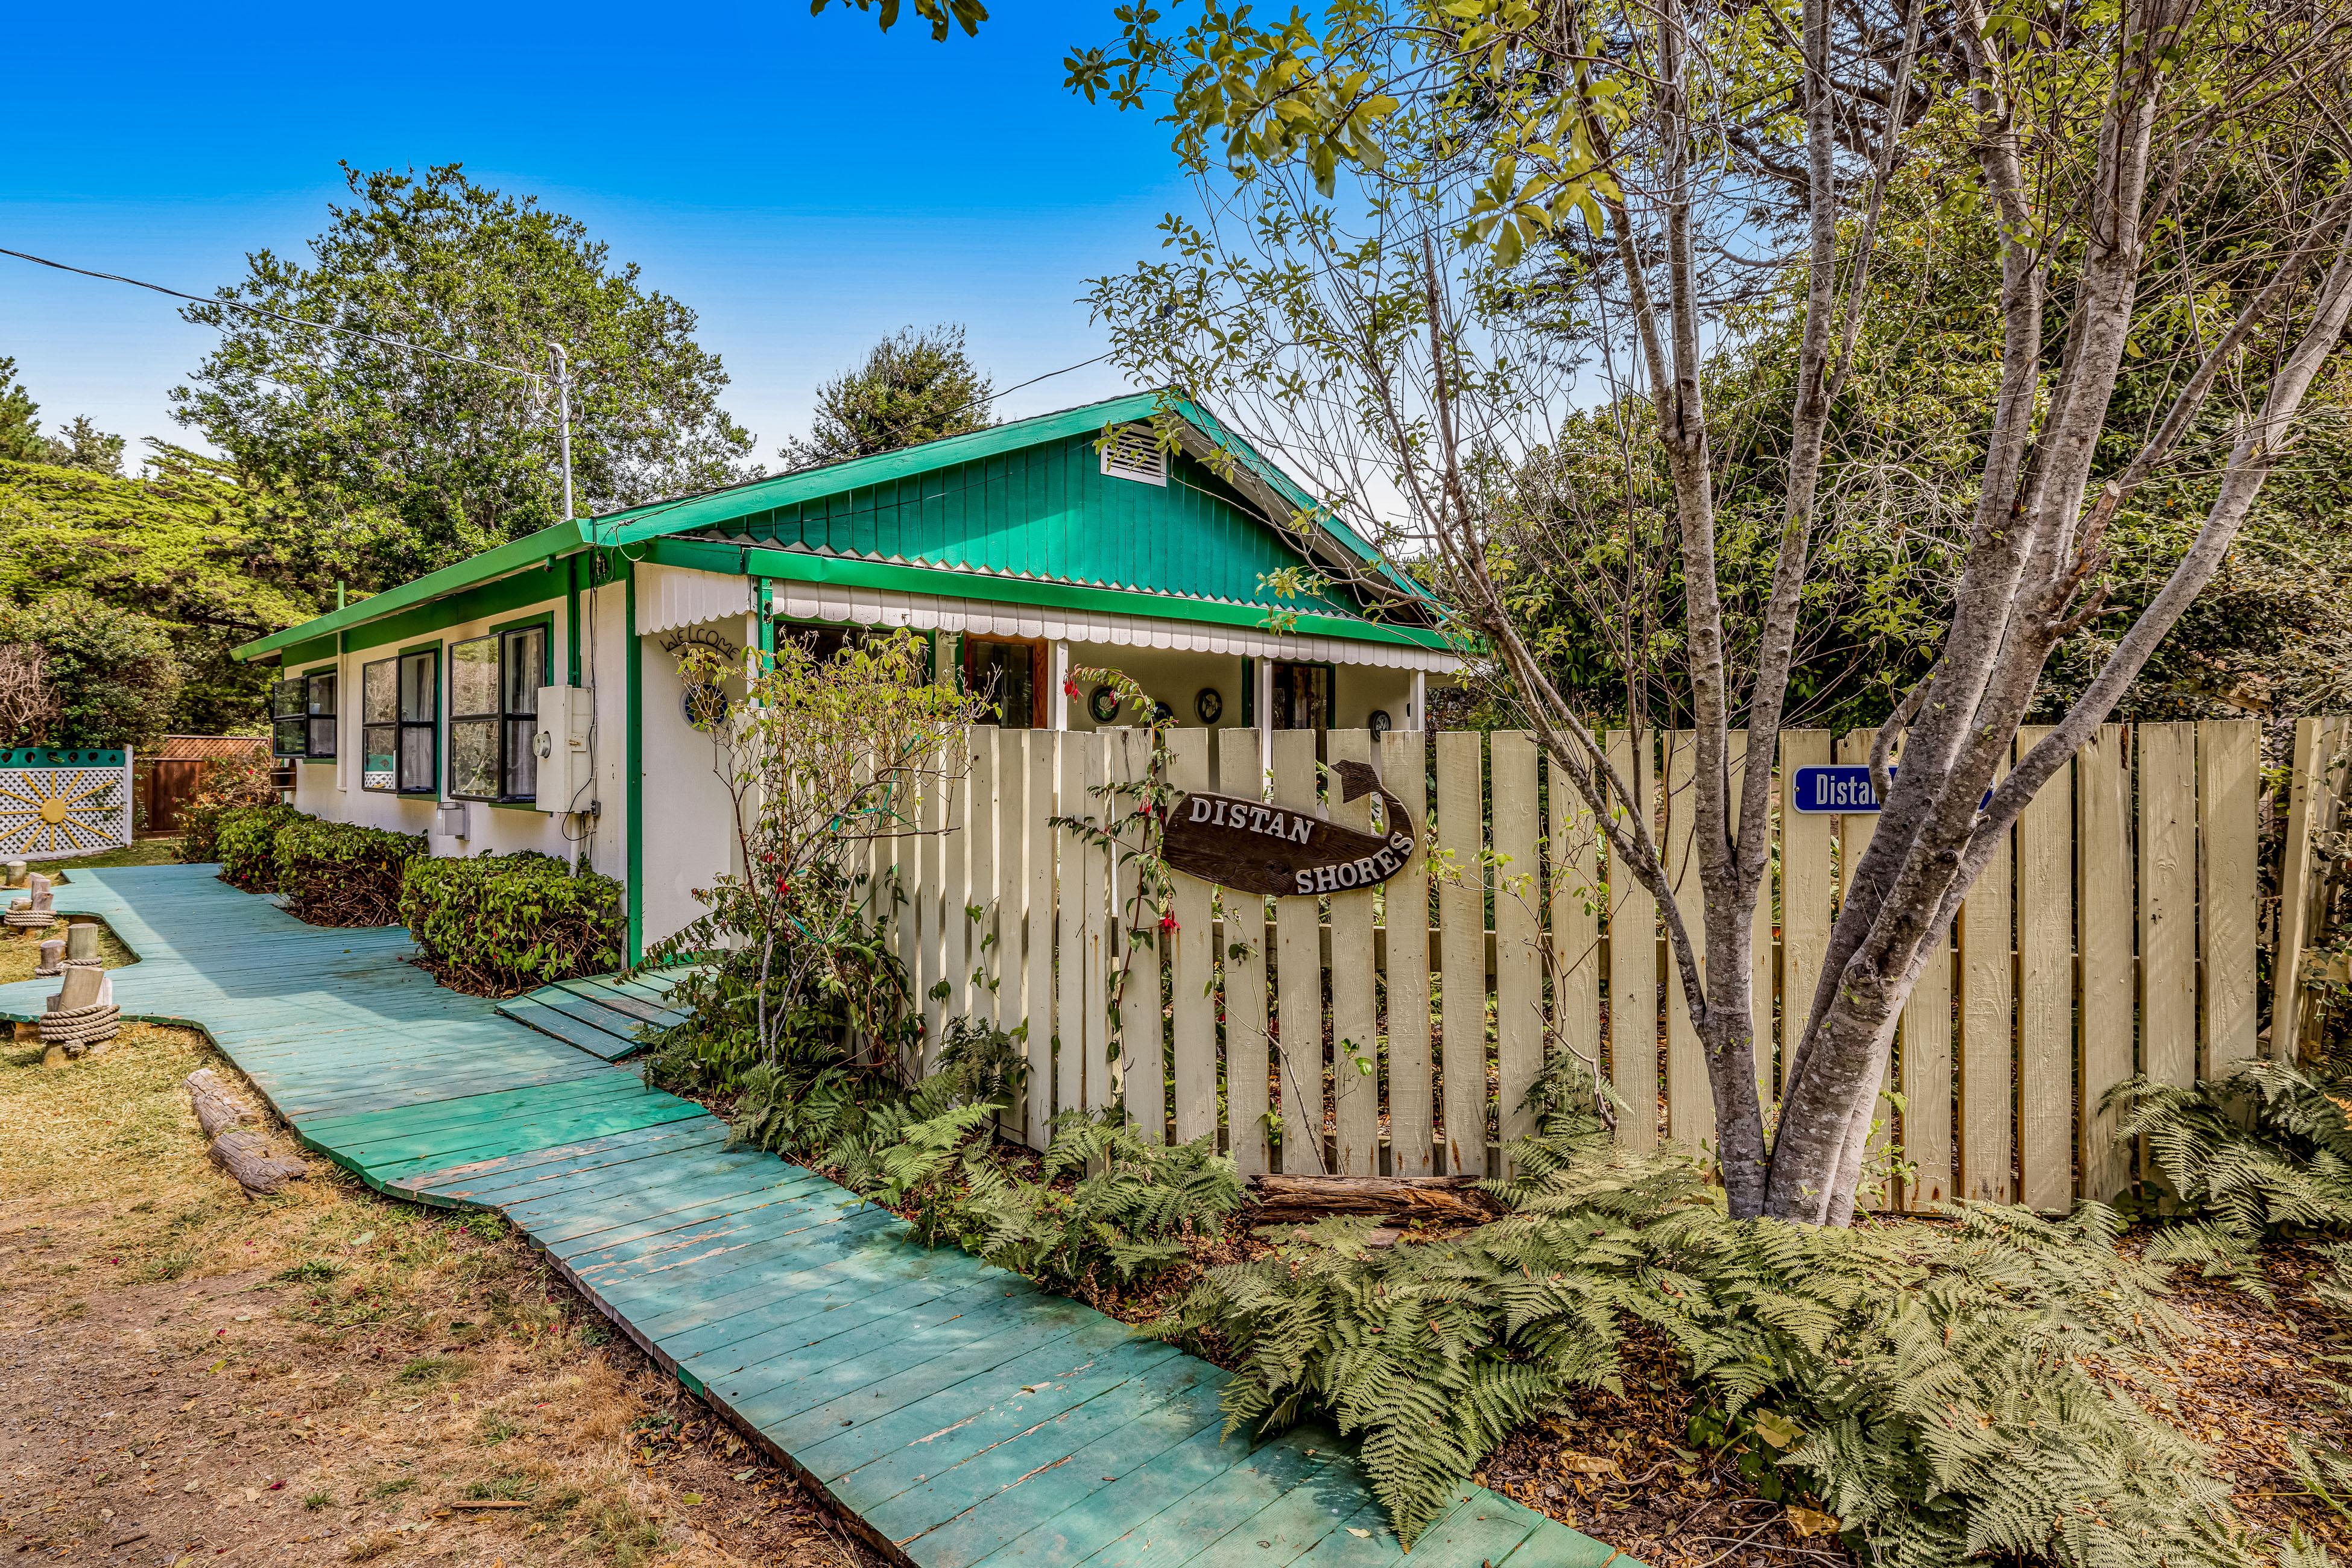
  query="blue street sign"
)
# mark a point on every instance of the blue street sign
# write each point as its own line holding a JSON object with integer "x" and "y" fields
{"x": 1839, "y": 789}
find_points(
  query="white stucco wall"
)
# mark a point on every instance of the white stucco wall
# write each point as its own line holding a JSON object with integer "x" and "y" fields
{"x": 689, "y": 817}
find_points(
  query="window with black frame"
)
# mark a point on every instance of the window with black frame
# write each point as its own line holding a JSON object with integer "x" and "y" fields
{"x": 319, "y": 713}
{"x": 400, "y": 716}
{"x": 494, "y": 685}
{"x": 380, "y": 725}
{"x": 289, "y": 731}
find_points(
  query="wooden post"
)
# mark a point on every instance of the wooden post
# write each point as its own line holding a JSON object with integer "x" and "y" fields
{"x": 1247, "y": 1044}
{"x": 1634, "y": 960}
{"x": 1461, "y": 951}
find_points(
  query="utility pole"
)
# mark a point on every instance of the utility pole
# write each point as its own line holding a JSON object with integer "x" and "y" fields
{"x": 563, "y": 414}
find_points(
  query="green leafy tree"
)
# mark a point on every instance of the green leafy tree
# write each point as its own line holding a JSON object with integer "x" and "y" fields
{"x": 966, "y": 14}
{"x": 418, "y": 457}
{"x": 20, "y": 425}
{"x": 111, "y": 669}
{"x": 83, "y": 445}
{"x": 180, "y": 545}
{"x": 914, "y": 386}
{"x": 1436, "y": 227}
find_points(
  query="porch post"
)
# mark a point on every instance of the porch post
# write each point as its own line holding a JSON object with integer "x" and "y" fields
{"x": 1059, "y": 697}
{"x": 1417, "y": 710}
{"x": 1265, "y": 721}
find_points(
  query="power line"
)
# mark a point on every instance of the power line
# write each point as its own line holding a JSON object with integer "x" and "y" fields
{"x": 277, "y": 315}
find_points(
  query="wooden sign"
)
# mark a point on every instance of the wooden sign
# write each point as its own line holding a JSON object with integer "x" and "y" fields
{"x": 1253, "y": 847}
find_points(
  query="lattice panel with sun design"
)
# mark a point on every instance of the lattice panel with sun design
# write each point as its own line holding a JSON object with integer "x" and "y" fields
{"x": 62, "y": 811}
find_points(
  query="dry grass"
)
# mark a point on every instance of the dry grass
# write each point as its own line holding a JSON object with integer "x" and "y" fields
{"x": 20, "y": 952}
{"x": 318, "y": 1377}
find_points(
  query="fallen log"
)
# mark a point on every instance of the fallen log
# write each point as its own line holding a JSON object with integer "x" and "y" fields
{"x": 216, "y": 1109}
{"x": 1289, "y": 1200}
{"x": 245, "y": 1156}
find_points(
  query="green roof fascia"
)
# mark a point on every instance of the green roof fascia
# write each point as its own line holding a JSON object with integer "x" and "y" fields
{"x": 640, "y": 523}
{"x": 559, "y": 538}
{"x": 802, "y": 566}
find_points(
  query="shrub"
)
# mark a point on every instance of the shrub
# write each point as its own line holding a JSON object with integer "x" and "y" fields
{"x": 341, "y": 874}
{"x": 246, "y": 841}
{"x": 496, "y": 924}
{"x": 228, "y": 784}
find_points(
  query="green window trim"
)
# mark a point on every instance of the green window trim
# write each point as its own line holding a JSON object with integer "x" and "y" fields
{"x": 518, "y": 659}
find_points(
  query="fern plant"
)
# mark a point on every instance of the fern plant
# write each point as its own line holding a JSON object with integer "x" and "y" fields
{"x": 1949, "y": 1392}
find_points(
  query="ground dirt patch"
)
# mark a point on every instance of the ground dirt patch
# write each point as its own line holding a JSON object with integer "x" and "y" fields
{"x": 326, "y": 1376}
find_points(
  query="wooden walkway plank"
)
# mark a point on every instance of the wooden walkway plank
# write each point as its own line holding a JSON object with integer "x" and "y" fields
{"x": 979, "y": 1418}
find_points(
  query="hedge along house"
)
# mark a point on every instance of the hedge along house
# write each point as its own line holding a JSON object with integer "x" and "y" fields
{"x": 529, "y": 698}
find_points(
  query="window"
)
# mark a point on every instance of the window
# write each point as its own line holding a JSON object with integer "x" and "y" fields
{"x": 1008, "y": 676}
{"x": 286, "y": 726}
{"x": 1302, "y": 697}
{"x": 494, "y": 685}
{"x": 400, "y": 714}
{"x": 318, "y": 709}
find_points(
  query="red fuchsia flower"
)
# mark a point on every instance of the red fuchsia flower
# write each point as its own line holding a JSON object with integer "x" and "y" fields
{"x": 783, "y": 886}
{"x": 1168, "y": 920}
{"x": 1069, "y": 687}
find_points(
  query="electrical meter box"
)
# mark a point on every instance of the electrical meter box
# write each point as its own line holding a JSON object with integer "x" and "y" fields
{"x": 566, "y": 784}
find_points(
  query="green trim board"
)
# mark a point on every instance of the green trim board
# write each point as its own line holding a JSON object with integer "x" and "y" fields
{"x": 530, "y": 550}
{"x": 964, "y": 1417}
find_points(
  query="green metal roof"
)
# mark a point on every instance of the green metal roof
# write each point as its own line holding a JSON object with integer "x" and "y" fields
{"x": 1025, "y": 502}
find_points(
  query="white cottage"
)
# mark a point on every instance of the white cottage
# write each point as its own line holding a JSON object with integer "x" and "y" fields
{"x": 528, "y": 698}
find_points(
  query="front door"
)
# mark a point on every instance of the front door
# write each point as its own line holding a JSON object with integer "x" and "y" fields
{"x": 1302, "y": 699}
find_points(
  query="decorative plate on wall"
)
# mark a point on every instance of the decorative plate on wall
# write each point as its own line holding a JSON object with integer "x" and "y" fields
{"x": 1380, "y": 723}
{"x": 1103, "y": 704}
{"x": 1209, "y": 704}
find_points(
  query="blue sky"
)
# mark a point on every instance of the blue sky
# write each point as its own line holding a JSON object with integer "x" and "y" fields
{"x": 804, "y": 183}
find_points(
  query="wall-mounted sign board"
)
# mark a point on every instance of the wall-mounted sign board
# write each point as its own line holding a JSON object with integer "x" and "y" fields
{"x": 1842, "y": 789}
{"x": 1255, "y": 847}
{"x": 1833, "y": 790}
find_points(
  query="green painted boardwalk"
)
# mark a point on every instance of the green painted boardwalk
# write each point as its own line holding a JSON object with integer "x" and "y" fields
{"x": 963, "y": 1414}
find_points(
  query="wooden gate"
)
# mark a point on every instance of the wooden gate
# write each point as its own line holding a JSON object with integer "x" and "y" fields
{"x": 1398, "y": 1030}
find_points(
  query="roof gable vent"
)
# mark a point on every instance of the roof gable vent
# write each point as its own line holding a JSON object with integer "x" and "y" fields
{"x": 1132, "y": 453}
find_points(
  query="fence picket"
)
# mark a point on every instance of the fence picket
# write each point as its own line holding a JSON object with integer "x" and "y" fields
{"x": 2229, "y": 809}
{"x": 1243, "y": 962}
{"x": 1690, "y": 1103}
{"x": 1574, "y": 876}
{"x": 1041, "y": 764}
{"x": 2166, "y": 755}
{"x": 1988, "y": 1046}
{"x": 1355, "y": 995}
{"x": 1925, "y": 1058}
{"x": 932, "y": 879}
{"x": 980, "y": 873}
{"x": 1190, "y": 964}
{"x": 955, "y": 881}
{"x": 1141, "y": 1008}
{"x": 1072, "y": 956}
{"x": 2045, "y": 943}
{"x": 2103, "y": 894}
{"x": 1632, "y": 958}
{"x": 1808, "y": 886}
{"x": 1298, "y": 979}
{"x": 1518, "y": 932}
{"x": 1404, "y": 760}
{"x": 1462, "y": 953}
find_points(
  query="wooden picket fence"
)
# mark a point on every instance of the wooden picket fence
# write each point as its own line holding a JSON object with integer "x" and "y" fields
{"x": 1398, "y": 1030}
